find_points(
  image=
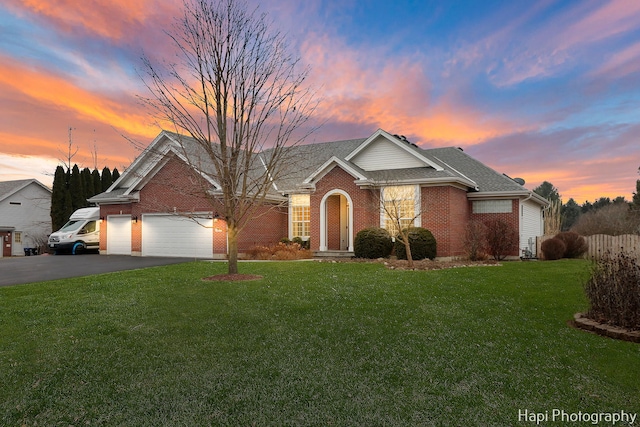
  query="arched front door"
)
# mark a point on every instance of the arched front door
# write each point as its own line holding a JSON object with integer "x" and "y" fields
{"x": 336, "y": 222}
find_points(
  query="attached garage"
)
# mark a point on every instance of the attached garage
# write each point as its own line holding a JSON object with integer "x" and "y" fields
{"x": 119, "y": 235}
{"x": 177, "y": 236}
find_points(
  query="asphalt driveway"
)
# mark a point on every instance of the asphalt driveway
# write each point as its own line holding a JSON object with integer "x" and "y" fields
{"x": 28, "y": 269}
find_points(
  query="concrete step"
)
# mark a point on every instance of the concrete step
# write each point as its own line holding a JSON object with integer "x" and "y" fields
{"x": 333, "y": 254}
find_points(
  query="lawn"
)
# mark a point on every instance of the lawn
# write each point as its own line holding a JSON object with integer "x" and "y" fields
{"x": 346, "y": 344}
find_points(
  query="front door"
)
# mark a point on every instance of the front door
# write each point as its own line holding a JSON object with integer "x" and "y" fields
{"x": 5, "y": 237}
{"x": 337, "y": 208}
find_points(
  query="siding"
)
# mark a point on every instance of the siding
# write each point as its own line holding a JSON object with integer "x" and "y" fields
{"x": 382, "y": 154}
{"x": 531, "y": 225}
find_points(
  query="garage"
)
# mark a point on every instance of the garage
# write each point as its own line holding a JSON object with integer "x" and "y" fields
{"x": 177, "y": 236}
{"x": 119, "y": 235}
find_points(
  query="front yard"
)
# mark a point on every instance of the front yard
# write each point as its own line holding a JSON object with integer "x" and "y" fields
{"x": 310, "y": 344}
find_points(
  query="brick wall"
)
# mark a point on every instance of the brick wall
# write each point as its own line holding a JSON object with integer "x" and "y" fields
{"x": 445, "y": 212}
{"x": 512, "y": 218}
{"x": 176, "y": 188}
{"x": 363, "y": 202}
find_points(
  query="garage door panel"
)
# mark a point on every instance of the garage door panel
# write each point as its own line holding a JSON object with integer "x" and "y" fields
{"x": 119, "y": 235}
{"x": 170, "y": 235}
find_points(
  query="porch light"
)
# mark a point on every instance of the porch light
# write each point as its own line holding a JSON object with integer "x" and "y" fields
{"x": 134, "y": 219}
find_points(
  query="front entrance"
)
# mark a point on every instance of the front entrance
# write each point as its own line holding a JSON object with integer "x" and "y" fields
{"x": 5, "y": 238}
{"x": 336, "y": 222}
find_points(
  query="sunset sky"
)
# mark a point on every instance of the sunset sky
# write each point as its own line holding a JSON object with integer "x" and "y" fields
{"x": 543, "y": 90}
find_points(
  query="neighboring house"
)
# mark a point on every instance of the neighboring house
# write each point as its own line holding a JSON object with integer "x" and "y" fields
{"x": 25, "y": 216}
{"x": 333, "y": 190}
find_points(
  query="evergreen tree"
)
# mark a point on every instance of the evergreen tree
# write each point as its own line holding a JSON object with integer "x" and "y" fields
{"x": 78, "y": 199}
{"x": 548, "y": 191}
{"x": 97, "y": 182}
{"x": 60, "y": 212}
{"x": 107, "y": 179}
{"x": 115, "y": 174}
{"x": 87, "y": 183}
{"x": 570, "y": 213}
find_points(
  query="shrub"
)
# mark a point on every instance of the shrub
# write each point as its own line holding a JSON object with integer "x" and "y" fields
{"x": 304, "y": 244}
{"x": 613, "y": 290}
{"x": 279, "y": 251}
{"x": 553, "y": 249}
{"x": 576, "y": 245}
{"x": 421, "y": 242}
{"x": 372, "y": 243}
{"x": 475, "y": 240}
{"x": 501, "y": 238}
{"x": 613, "y": 220}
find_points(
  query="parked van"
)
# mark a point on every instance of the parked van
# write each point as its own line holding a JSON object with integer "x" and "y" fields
{"x": 80, "y": 233}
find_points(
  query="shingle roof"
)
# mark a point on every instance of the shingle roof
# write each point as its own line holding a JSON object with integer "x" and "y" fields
{"x": 7, "y": 188}
{"x": 305, "y": 160}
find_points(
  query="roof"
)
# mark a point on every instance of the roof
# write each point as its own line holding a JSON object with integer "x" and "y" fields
{"x": 308, "y": 163}
{"x": 9, "y": 188}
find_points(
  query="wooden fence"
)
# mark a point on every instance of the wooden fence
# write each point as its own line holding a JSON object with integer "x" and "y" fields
{"x": 600, "y": 243}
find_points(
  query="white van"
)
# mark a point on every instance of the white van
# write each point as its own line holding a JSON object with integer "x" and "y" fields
{"x": 80, "y": 233}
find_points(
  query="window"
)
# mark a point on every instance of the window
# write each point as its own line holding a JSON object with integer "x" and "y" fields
{"x": 17, "y": 237}
{"x": 491, "y": 206}
{"x": 399, "y": 207}
{"x": 300, "y": 215}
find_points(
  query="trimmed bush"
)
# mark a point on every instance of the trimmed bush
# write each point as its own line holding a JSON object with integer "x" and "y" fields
{"x": 613, "y": 291}
{"x": 421, "y": 242}
{"x": 553, "y": 249}
{"x": 576, "y": 245}
{"x": 372, "y": 243}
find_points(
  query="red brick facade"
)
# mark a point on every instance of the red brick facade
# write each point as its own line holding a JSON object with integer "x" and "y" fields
{"x": 445, "y": 211}
{"x": 175, "y": 188}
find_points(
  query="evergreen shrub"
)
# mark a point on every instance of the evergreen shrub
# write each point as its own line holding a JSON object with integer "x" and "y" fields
{"x": 372, "y": 243}
{"x": 421, "y": 242}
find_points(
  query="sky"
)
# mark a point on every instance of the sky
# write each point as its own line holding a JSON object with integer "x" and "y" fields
{"x": 544, "y": 90}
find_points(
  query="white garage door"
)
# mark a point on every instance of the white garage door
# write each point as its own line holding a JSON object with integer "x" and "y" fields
{"x": 177, "y": 236}
{"x": 119, "y": 235}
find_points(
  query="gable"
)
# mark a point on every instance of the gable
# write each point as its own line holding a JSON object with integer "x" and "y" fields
{"x": 381, "y": 154}
{"x": 383, "y": 151}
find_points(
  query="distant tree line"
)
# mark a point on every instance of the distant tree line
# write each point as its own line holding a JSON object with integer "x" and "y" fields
{"x": 72, "y": 188}
{"x": 602, "y": 216}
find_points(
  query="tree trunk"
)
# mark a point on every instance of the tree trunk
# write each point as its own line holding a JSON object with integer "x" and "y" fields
{"x": 407, "y": 248}
{"x": 232, "y": 236}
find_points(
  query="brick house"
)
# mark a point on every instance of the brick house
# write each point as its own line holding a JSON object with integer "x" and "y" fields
{"x": 162, "y": 206}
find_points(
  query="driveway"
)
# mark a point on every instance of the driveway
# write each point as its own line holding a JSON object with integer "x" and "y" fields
{"x": 28, "y": 269}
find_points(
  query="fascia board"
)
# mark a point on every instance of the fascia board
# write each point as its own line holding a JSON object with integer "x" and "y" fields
{"x": 327, "y": 166}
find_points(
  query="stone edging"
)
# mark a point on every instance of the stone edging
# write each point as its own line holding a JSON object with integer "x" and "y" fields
{"x": 582, "y": 322}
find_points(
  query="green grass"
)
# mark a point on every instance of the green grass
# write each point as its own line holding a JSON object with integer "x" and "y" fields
{"x": 310, "y": 344}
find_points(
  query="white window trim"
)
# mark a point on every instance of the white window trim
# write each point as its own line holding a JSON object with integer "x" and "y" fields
{"x": 290, "y": 222}
{"x": 417, "y": 203}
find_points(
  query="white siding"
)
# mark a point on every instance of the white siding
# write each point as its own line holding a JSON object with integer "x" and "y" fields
{"x": 383, "y": 154}
{"x": 28, "y": 211}
{"x": 531, "y": 225}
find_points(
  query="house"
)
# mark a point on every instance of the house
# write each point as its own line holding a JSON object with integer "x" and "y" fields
{"x": 332, "y": 191}
{"x": 25, "y": 220}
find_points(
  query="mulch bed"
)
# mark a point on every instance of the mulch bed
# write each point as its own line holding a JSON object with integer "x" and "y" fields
{"x": 425, "y": 264}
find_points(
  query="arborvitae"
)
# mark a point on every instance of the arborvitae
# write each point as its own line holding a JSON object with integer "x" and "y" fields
{"x": 87, "y": 183}
{"x": 97, "y": 182}
{"x": 115, "y": 174}
{"x": 78, "y": 199}
{"x": 59, "y": 195}
{"x": 107, "y": 179}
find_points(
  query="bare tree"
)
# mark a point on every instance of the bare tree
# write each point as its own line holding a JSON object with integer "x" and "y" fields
{"x": 399, "y": 209}
{"x": 235, "y": 91}
{"x": 70, "y": 154}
